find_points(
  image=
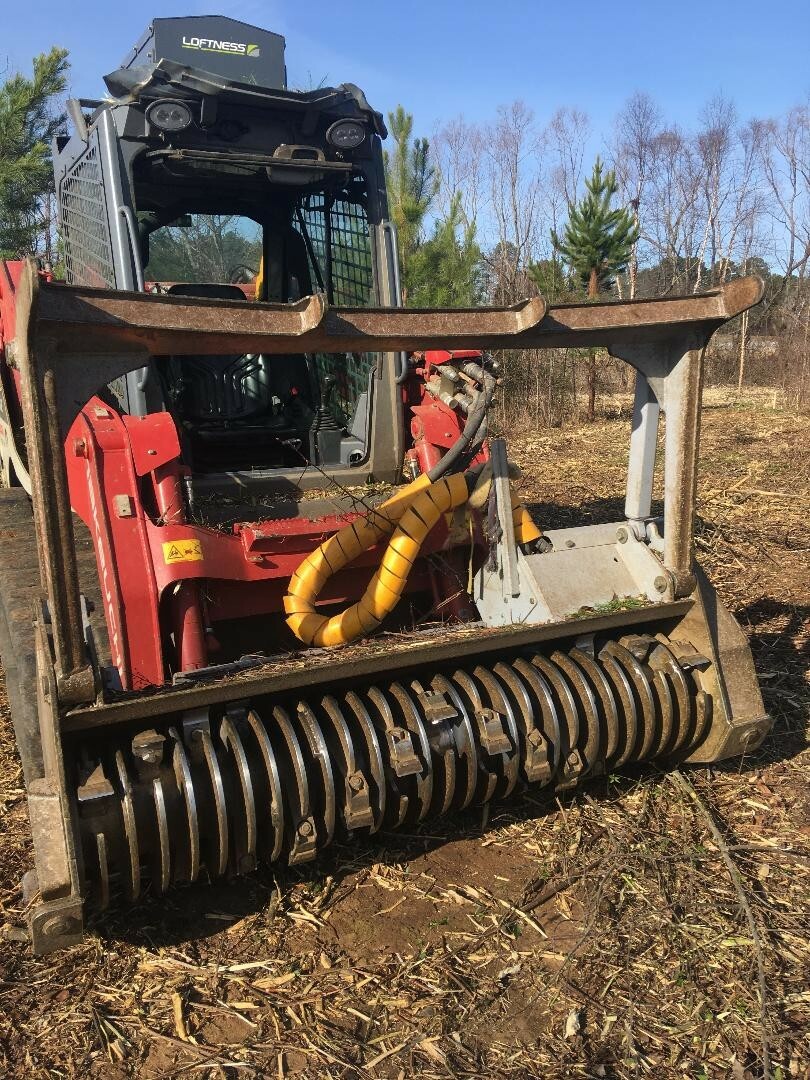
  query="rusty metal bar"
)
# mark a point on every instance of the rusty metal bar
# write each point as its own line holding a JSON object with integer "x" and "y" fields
{"x": 93, "y": 320}
{"x": 682, "y": 403}
{"x": 37, "y": 359}
{"x": 287, "y": 675}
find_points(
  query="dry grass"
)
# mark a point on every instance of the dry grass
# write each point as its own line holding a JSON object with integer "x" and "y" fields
{"x": 616, "y": 934}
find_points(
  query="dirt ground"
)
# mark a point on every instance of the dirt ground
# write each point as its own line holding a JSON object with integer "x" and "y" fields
{"x": 647, "y": 925}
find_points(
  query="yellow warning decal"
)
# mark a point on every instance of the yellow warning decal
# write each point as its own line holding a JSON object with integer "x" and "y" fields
{"x": 175, "y": 551}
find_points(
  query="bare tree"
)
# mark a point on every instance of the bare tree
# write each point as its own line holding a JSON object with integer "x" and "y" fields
{"x": 785, "y": 154}
{"x": 514, "y": 152}
{"x": 567, "y": 136}
{"x": 633, "y": 154}
{"x": 459, "y": 148}
{"x": 671, "y": 207}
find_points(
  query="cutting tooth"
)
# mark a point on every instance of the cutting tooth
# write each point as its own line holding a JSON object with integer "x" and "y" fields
{"x": 489, "y": 748}
{"x": 703, "y": 717}
{"x": 321, "y": 780}
{"x": 665, "y": 710}
{"x": 130, "y": 828}
{"x": 642, "y": 691}
{"x": 356, "y": 810}
{"x": 367, "y": 744}
{"x": 608, "y": 712}
{"x": 182, "y": 775}
{"x": 103, "y": 871}
{"x": 534, "y": 746}
{"x": 462, "y": 731}
{"x": 590, "y": 727}
{"x": 244, "y": 838}
{"x": 164, "y": 877}
{"x": 500, "y": 705}
{"x": 408, "y": 714}
{"x": 546, "y": 714}
{"x": 301, "y": 834}
{"x": 572, "y": 765}
{"x": 662, "y": 660}
{"x": 400, "y": 760}
{"x": 219, "y": 863}
{"x": 438, "y": 716}
{"x": 202, "y": 749}
{"x": 626, "y": 707}
{"x": 272, "y": 800}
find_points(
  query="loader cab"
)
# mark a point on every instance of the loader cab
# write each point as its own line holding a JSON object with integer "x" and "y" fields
{"x": 191, "y": 182}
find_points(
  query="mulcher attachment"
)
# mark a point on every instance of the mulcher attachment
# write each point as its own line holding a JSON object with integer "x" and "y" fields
{"x": 279, "y": 782}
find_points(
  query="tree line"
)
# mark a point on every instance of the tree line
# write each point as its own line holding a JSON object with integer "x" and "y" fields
{"x": 693, "y": 207}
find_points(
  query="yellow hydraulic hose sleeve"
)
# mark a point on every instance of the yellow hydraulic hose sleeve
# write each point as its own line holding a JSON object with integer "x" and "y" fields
{"x": 396, "y": 564}
{"x": 395, "y": 507}
{"x": 525, "y": 529}
{"x": 297, "y": 605}
{"x": 404, "y": 546}
{"x": 350, "y": 626}
{"x": 351, "y": 543}
{"x": 309, "y": 579}
{"x": 382, "y": 593}
{"x": 419, "y": 525}
{"x": 305, "y": 627}
{"x": 394, "y": 582}
{"x": 344, "y": 546}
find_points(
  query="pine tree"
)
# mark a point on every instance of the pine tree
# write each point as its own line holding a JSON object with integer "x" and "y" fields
{"x": 446, "y": 269}
{"x": 412, "y": 186}
{"x": 597, "y": 245}
{"x": 442, "y": 269}
{"x": 598, "y": 241}
{"x": 27, "y": 125}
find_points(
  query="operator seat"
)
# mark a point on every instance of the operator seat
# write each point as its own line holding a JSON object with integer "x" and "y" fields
{"x": 238, "y": 411}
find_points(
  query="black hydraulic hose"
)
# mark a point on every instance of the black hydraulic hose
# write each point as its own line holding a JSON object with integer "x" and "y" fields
{"x": 477, "y": 443}
{"x": 475, "y": 419}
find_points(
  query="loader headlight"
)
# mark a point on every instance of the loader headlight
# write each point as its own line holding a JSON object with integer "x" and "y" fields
{"x": 345, "y": 134}
{"x": 169, "y": 115}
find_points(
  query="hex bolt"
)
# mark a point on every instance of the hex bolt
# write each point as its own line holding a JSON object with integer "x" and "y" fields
{"x": 356, "y": 782}
{"x": 660, "y": 583}
{"x": 305, "y": 828}
{"x": 622, "y": 535}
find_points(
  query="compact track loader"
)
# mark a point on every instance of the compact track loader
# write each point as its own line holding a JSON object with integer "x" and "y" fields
{"x": 229, "y": 455}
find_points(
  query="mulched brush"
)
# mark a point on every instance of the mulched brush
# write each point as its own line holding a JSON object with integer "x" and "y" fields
{"x": 643, "y": 926}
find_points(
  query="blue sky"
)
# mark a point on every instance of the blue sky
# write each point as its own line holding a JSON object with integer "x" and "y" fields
{"x": 442, "y": 59}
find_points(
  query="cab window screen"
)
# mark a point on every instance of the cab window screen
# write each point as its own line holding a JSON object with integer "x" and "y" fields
{"x": 339, "y": 248}
{"x": 338, "y": 241}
